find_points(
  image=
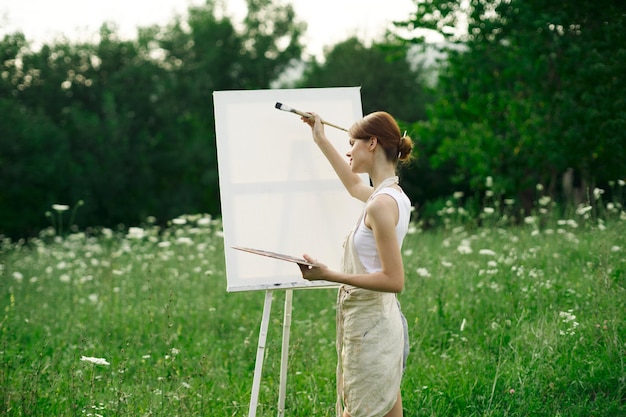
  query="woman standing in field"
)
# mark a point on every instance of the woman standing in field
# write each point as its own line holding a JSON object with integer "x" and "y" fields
{"x": 371, "y": 331}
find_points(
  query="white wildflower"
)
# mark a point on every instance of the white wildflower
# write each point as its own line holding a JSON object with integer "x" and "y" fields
{"x": 545, "y": 200}
{"x": 60, "y": 207}
{"x": 464, "y": 248}
{"x": 204, "y": 221}
{"x": 136, "y": 233}
{"x": 597, "y": 193}
{"x": 423, "y": 272}
{"x": 487, "y": 252}
{"x": 96, "y": 361}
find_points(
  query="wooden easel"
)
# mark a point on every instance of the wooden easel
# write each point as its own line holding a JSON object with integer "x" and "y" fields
{"x": 260, "y": 354}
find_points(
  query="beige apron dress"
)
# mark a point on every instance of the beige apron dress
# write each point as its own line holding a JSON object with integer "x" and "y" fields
{"x": 370, "y": 345}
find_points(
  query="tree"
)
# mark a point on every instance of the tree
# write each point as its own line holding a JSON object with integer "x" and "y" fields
{"x": 535, "y": 89}
{"x": 383, "y": 71}
{"x": 127, "y": 125}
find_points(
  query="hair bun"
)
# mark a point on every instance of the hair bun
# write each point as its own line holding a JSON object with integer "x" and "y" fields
{"x": 405, "y": 146}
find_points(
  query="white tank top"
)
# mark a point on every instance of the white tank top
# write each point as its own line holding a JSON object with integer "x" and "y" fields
{"x": 364, "y": 241}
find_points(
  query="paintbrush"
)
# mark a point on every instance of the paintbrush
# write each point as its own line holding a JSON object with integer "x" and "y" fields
{"x": 283, "y": 107}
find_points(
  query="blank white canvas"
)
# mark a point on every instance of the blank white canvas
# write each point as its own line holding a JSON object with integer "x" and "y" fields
{"x": 278, "y": 192}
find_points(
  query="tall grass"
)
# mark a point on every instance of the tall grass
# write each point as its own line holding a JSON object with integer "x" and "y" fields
{"x": 504, "y": 321}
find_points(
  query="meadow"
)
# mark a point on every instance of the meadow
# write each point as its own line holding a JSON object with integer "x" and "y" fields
{"x": 505, "y": 320}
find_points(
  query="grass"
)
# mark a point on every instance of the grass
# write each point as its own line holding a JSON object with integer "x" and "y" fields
{"x": 504, "y": 321}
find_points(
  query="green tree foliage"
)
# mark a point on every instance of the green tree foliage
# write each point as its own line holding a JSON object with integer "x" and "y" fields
{"x": 387, "y": 79}
{"x": 528, "y": 90}
{"x": 127, "y": 125}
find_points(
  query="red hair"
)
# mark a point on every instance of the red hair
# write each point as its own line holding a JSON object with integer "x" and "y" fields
{"x": 382, "y": 126}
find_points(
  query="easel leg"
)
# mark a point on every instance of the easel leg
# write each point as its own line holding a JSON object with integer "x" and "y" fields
{"x": 260, "y": 354}
{"x": 282, "y": 394}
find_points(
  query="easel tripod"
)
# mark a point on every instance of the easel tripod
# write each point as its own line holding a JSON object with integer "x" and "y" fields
{"x": 260, "y": 354}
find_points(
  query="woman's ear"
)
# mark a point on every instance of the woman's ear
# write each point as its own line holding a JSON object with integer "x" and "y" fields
{"x": 373, "y": 143}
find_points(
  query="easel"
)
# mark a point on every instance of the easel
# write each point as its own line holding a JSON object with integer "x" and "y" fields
{"x": 260, "y": 354}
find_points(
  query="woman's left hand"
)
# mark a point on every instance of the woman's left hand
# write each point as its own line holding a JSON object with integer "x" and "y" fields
{"x": 313, "y": 273}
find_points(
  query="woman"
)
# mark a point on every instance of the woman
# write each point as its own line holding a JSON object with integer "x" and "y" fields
{"x": 371, "y": 330}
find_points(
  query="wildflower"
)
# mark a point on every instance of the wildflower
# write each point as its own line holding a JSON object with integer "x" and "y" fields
{"x": 446, "y": 264}
{"x": 136, "y": 233}
{"x": 529, "y": 219}
{"x": 570, "y": 320}
{"x": 184, "y": 241}
{"x": 95, "y": 361}
{"x": 545, "y": 200}
{"x": 463, "y": 323}
{"x": 18, "y": 276}
{"x": 509, "y": 201}
{"x": 458, "y": 195}
{"x": 582, "y": 210}
{"x": 60, "y": 207}
{"x": 204, "y": 221}
{"x": 539, "y": 187}
{"x": 489, "y": 182}
{"x": 621, "y": 183}
{"x": 597, "y": 193}
{"x": 423, "y": 272}
{"x": 488, "y": 210}
{"x": 179, "y": 221}
{"x": 164, "y": 244}
{"x": 464, "y": 248}
{"x": 615, "y": 249}
{"x": 488, "y": 252}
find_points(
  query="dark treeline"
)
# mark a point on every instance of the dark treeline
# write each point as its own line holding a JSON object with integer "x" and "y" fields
{"x": 528, "y": 92}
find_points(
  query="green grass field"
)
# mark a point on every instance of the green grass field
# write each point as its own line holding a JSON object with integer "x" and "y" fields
{"x": 504, "y": 321}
